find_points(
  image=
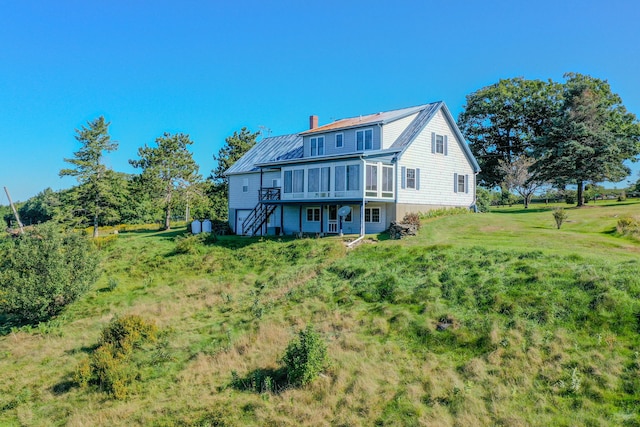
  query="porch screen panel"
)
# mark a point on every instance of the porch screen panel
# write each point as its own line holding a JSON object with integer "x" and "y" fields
{"x": 340, "y": 178}
{"x": 324, "y": 179}
{"x": 353, "y": 177}
{"x": 314, "y": 180}
{"x": 288, "y": 181}
{"x": 298, "y": 181}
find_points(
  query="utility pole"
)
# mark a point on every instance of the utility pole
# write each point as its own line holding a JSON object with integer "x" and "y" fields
{"x": 15, "y": 212}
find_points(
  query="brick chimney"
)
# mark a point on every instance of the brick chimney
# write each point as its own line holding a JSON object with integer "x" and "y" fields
{"x": 313, "y": 122}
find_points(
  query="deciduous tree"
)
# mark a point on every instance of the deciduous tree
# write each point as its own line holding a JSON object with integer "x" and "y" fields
{"x": 501, "y": 121}
{"x": 518, "y": 177}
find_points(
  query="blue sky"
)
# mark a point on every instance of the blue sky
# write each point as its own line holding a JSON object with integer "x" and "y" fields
{"x": 208, "y": 68}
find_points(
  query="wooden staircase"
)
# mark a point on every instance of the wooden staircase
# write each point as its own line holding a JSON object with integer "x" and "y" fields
{"x": 261, "y": 213}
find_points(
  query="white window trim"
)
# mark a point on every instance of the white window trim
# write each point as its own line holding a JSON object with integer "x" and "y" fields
{"x": 316, "y": 139}
{"x": 245, "y": 185}
{"x": 371, "y": 215}
{"x": 342, "y": 140}
{"x": 406, "y": 179}
{"x": 364, "y": 145}
{"x": 313, "y": 215}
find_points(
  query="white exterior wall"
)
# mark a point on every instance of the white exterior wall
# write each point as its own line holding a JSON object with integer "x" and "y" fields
{"x": 436, "y": 170}
{"x": 391, "y": 131}
{"x": 349, "y": 141}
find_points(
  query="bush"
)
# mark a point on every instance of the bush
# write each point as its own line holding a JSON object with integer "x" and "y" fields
{"x": 109, "y": 367}
{"x": 44, "y": 270}
{"x": 190, "y": 244}
{"x": 628, "y": 226}
{"x": 305, "y": 358}
{"x": 483, "y": 199}
{"x": 559, "y": 215}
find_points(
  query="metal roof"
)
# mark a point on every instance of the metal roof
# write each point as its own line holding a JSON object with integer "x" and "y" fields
{"x": 383, "y": 117}
{"x": 276, "y": 148}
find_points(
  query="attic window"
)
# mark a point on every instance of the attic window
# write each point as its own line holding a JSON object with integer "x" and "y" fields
{"x": 364, "y": 139}
{"x": 317, "y": 146}
{"x": 438, "y": 144}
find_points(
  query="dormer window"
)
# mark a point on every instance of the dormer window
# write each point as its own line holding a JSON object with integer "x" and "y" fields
{"x": 364, "y": 139}
{"x": 317, "y": 146}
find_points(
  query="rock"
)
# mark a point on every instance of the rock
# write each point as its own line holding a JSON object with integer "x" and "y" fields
{"x": 398, "y": 230}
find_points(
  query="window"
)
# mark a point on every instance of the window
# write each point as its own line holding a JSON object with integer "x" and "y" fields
{"x": 353, "y": 177}
{"x": 387, "y": 181}
{"x": 411, "y": 178}
{"x": 317, "y": 146}
{"x": 372, "y": 180}
{"x": 325, "y": 178}
{"x": 294, "y": 181}
{"x": 339, "y": 140}
{"x": 245, "y": 185}
{"x": 313, "y": 178}
{"x": 348, "y": 218}
{"x": 347, "y": 178}
{"x": 460, "y": 183}
{"x": 364, "y": 139}
{"x": 313, "y": 214}
{"x": 340, "y": 178}
{"x": 438, "y": 143}
{"x": 275, "y": 183}
{"x": 372, "y": 215}
{"x": 288, "y": 181}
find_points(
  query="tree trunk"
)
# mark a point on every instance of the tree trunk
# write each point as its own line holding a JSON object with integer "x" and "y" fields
{"x": 95, "y": 226}
{"x": 526, "y": 201}
{"x": 580, "y": 195}
{"x": 167, "y": 218}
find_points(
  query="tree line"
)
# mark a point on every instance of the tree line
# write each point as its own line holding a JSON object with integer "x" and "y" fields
{"x": 527, "y": 134}
{"x": 169, "y": 181}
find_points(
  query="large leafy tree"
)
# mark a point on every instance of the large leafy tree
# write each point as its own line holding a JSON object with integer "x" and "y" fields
{"x": 235, "y": 147}
{"x": 590, "y": 138}
{"x": 89, "y": 169}
{"x": 501, "y": 121}
{"x": 167, "y": 168}
{"x": 40, "y": 208}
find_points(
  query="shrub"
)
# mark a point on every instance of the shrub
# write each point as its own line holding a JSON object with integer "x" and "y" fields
{"x": 412, "y": 218}
{"x": 483, "y": 199}
{"x": 305, "y": 357}
{"x": 44, "y": 270}
{"x": 124, "y": 333}
{"x": 437, "y": 213}
{"x": 189, "y": 244}
{"x": 559, "y": 215}
{"x": 108, "y": 367}
{"x": 628, "y": 226}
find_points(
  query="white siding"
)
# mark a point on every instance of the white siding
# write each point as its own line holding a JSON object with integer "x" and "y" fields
{"x": 349, "y": 141}
{"x": 391, "y": 131}
{"x": 240, "y": 200}
{"x": 436, "y": 170}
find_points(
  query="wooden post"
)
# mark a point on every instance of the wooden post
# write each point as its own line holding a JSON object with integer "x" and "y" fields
{"x": 15, "y": 212}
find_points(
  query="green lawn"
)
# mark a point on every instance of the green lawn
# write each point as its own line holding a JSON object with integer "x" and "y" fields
{"x": 482, "y": 319}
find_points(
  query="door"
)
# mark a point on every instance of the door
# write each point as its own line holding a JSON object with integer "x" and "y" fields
{"x": 332, "y": 226}
{"x": 241, "y": 216}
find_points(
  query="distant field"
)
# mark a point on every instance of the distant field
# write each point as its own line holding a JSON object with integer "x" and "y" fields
{"x": 482, "y": 319}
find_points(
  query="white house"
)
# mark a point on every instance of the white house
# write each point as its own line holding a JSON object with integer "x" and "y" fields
{"x": 381, "y": 166}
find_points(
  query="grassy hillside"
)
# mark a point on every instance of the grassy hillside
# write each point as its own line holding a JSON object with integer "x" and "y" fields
{"x": 487, "y": 319}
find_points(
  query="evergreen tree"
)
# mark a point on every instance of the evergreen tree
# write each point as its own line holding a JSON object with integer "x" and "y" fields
{"x": 89, "y": 169}
{"x": 590, "y": 138}
{"x": 167, "y": 168}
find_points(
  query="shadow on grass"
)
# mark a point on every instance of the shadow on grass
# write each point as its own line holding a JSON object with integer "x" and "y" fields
{"x": 262, "y": 380}
{"x": 63, "y": 387}
{"x": 9, "y": 324}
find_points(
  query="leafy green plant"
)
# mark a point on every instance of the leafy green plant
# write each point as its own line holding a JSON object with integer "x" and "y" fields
{"x": 305, "y": 357}
{"x": 628, "y": 226}
{"x": 43, "y": 271}
{"x": 108, "y": 366}
{"x": 559, "y": 215}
